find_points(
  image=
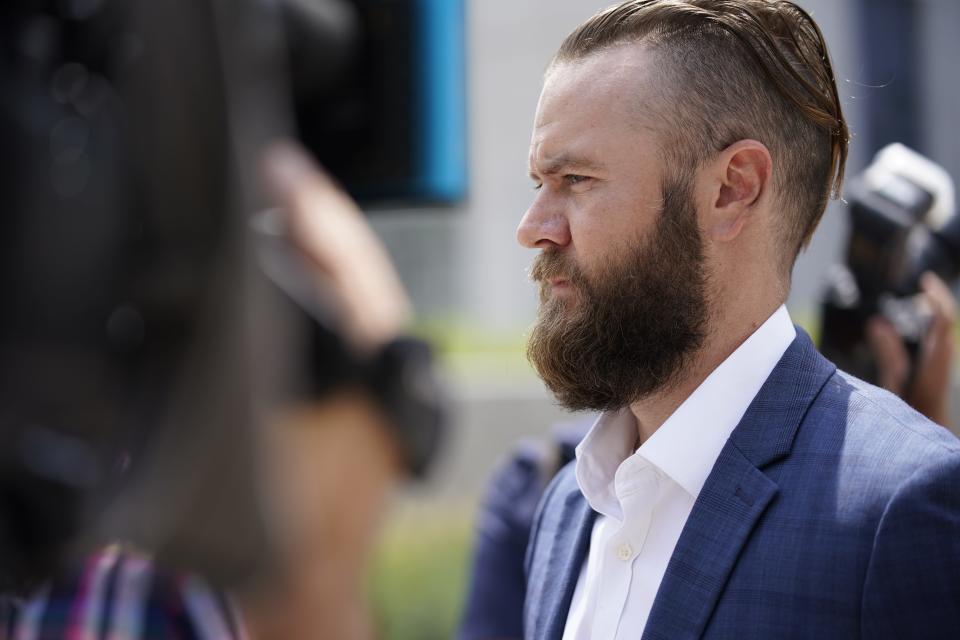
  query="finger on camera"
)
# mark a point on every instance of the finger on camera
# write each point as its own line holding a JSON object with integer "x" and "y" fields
{"x": 938, "y": 298}
{"x": 893, "y": 362}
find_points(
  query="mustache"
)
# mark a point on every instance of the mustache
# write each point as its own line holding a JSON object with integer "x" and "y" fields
{"x": 554, "y": 264}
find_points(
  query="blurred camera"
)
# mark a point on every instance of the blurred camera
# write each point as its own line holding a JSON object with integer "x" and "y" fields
{"x": 903, "y": 224}
{"x": 379, "y": 95}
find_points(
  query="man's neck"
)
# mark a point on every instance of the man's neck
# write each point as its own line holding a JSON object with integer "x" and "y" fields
{"x": 651, "y": 412}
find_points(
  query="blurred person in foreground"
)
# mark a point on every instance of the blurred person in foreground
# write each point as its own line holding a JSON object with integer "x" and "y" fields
{"x": 736, "y": 484}
{"x": 323, "y": 534}
{"x": 168, "y": 470}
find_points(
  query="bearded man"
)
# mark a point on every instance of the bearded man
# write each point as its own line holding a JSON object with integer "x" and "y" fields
{"x": 736, "y": 484}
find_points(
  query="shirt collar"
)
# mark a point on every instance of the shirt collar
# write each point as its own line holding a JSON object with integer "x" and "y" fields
{"x": 687, "y": 444}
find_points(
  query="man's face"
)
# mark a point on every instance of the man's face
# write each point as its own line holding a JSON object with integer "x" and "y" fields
{"x": 621, "y": 269}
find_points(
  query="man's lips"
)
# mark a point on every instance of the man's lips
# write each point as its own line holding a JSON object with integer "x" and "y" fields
{"x": 557, "y": 284}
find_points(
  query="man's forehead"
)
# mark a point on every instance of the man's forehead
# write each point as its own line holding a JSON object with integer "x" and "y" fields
{"x": 588, "y": 102}
{"x": 622, "y": 72}
{"x": 615, "y": 86}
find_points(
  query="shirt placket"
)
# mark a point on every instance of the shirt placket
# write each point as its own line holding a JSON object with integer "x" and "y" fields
{"x": 636, "y": 490}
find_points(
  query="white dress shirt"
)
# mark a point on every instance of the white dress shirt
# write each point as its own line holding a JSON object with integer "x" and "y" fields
{"x": 644, "y": 498}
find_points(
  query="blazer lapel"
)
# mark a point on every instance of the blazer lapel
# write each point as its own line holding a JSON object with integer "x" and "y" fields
{"x": 724, "y": 515}
{"x": 735, "y": 495}
{"x": 567, "y": 536}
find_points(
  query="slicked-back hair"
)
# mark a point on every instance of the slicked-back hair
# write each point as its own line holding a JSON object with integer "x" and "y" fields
{"x": 728, "y": 70}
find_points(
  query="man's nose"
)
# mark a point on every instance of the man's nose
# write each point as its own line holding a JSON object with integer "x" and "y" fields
{"x": 543, "y": 225}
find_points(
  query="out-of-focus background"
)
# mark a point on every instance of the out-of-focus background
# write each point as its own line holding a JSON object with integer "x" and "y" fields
{"x": 896, "y": 71}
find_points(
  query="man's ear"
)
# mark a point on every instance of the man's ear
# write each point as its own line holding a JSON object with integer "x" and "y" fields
{"x": 740, "y": 176}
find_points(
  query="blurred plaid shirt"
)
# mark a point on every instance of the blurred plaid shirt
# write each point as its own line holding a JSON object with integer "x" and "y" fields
{"x": 119, "y": 594}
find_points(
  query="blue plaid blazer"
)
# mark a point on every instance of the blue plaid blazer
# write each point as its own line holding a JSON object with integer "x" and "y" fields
{"x": 833, "y": 511}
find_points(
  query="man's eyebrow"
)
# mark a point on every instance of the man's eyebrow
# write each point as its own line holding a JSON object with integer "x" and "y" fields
{"x": 561, "y": 163}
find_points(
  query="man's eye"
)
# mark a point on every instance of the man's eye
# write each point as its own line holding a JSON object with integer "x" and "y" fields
{"x": 573, "y": 178}
{"x": 537, "y": 186}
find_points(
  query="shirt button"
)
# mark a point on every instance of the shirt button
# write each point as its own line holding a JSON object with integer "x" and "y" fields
{"x": 624, "y": 551}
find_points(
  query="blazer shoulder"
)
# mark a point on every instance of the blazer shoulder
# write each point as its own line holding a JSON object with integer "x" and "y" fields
{"x": 862, "y": 445}
{"x": 883, "y": 415}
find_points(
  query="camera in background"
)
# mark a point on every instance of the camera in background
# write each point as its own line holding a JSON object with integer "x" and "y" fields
{"x": 903, "y": 223}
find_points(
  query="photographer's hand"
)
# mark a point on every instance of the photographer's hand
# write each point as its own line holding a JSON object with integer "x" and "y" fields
{"x": 330, "y": 230}
{"x": 930, "y": 389}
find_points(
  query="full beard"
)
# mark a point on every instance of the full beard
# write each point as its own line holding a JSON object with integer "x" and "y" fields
{"x": 629, "y": 330}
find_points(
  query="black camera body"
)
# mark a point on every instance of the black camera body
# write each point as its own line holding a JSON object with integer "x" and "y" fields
{"x": 903, "y": 224}
{"x": 378, "y": 94}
